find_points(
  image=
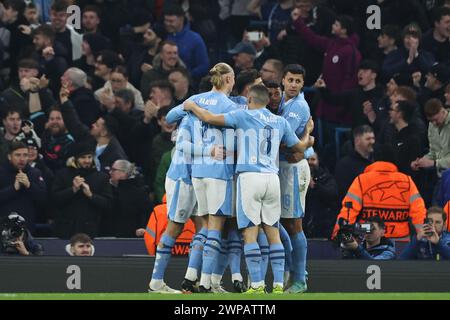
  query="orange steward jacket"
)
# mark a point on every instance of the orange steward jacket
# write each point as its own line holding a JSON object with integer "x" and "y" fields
{"x": 156, "y": 226}
{"x": 382, "y": 190}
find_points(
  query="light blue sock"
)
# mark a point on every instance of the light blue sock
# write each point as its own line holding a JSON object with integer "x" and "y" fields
{"x": 253, "y": 259}
{"x": 211, "y": 251}
{"x": 287, "y": 244}
{"x": 234, "y": 254}
{"x": 222, "y": 263}
{"x": 277, "y": 262}
{"x": 162, "y": 257}
{"x": 264, "y": 247}
{"x": 196, "y": 252}
{"x": 300, "y": 246}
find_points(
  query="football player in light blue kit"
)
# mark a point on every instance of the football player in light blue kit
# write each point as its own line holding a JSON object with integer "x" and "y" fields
{"x": 259, "y": 135}
{"x": 213, "y": 179}
{"x": 181, "y": 202}
{"x": 295, "y": 177}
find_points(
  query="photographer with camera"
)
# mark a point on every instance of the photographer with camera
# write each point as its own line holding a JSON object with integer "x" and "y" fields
{"x": 431, "y": 241}
{"x": 16, "y": 238}
{"x": 374, "y": 245}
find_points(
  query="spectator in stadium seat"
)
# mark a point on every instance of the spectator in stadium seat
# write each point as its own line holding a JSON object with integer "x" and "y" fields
{"x": 387, "y": 43}
{"x": 408, "y": 58}
{"x": 180, "y": 79}
{"x": 162, "y": 142}
{"x": 321, "y": 201}
{"x": 439, "y": 138}
{"x": 436, "y": 80}
{"x": 383, "y": 191}
{"x": 166, "y": 60}
{"x": 105, "y": 62}
{"x": 50, "y": 54}
{"x": 157, "y": 224}
{"x": 244, "y": 55}
{"x": 162, "y": 93}
{"x": 192, "y": 48}
{"x": 81, "y": 245}
{"x": 272, "y": 70}
{"x": 437, "y": 39}
{"x": 91, "y": 47}
{"x": 119, "y": 80}
{"x": 432, "y": 241}
{"x": 350, "y": 166}
{"x": 102, "y": 134}
{"x": 361, "y": 101}
{"x": 91, "y": 19}
{"x": 30, "y": 94}
{"x": 340, "y": 63}
{"x": 374, "y": 246}
{"x": 131, "y": 203}
{"x": 81, "y": 194}
{"x": 22, "y": 188}
{"x": 64, "y": 32}
{"x": 403, "y": 138}
{"x": 82, "y": 98}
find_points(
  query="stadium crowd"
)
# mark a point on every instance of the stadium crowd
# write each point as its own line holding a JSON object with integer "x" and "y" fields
{"x": 88, "y": 135}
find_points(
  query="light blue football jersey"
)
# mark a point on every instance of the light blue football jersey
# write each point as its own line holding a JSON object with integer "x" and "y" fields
{"x": 203, "y": 134}
{"x": 259, "y": 135}
{"x": 240, "y": 101}
{"x": 296, "y": 111}
{"x": 180, "y": 166}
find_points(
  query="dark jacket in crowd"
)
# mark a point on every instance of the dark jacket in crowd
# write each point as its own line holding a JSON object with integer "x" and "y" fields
{"x": 131, "y": 143}
{"x": 347, "y": 169}
{"x": 321, "y": 204}
{"x": 293, "y": 50}
{"x": 406, "y": 144}
{"x": 56, "y": 149}
{"x": 440, "y": 50}
{"x": 425, "y": 250}
{"x": 384, "y": 251}
{"x": 14, "y": 96}
{"x": 81, "y": 132}
{"x": 353, "y": 100}
{"x": 113, "y": 152}
{"x": 25, "y": 201}
{"x": 395, "y": 62}
{"x": 131, "y": 209}
{"x": 76, "y": 213}
{"x": 87, "y": 107}
{"x": 54, "y": 68}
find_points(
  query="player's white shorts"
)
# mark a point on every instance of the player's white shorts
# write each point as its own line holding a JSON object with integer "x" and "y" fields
{"x": 214, "y": 196}
{"x": 181, "y": 200}
{"x": 258, "y": 199}
{"x": 294, "y": 181}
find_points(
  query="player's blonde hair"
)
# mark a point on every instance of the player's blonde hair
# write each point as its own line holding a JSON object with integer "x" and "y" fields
{"x": 217, "y": 72}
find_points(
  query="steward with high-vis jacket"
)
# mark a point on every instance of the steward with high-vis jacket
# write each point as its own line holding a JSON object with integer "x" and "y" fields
{"x": 385, "y": 192}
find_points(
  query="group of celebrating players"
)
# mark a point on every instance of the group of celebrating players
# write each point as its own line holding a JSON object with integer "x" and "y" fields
{"x": 240, "y": 172}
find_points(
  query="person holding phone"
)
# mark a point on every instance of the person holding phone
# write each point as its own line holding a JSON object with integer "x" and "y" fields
{"x": 431, "y": 241}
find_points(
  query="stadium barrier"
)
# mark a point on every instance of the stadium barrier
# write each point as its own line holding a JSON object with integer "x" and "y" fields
{"x": 132, "y": 274}
{"x": 107, "y": 247}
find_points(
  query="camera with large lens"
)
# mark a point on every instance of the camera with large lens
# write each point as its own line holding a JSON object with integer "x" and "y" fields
{"x": 347, "y": 232}
{"x": 12, "y": 228}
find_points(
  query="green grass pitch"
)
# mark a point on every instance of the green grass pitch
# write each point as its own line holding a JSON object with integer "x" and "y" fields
{"x": 231, "y": 296}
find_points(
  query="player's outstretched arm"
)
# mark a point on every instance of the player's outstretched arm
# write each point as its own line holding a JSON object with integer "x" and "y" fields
{"x": 204, "y": 115}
